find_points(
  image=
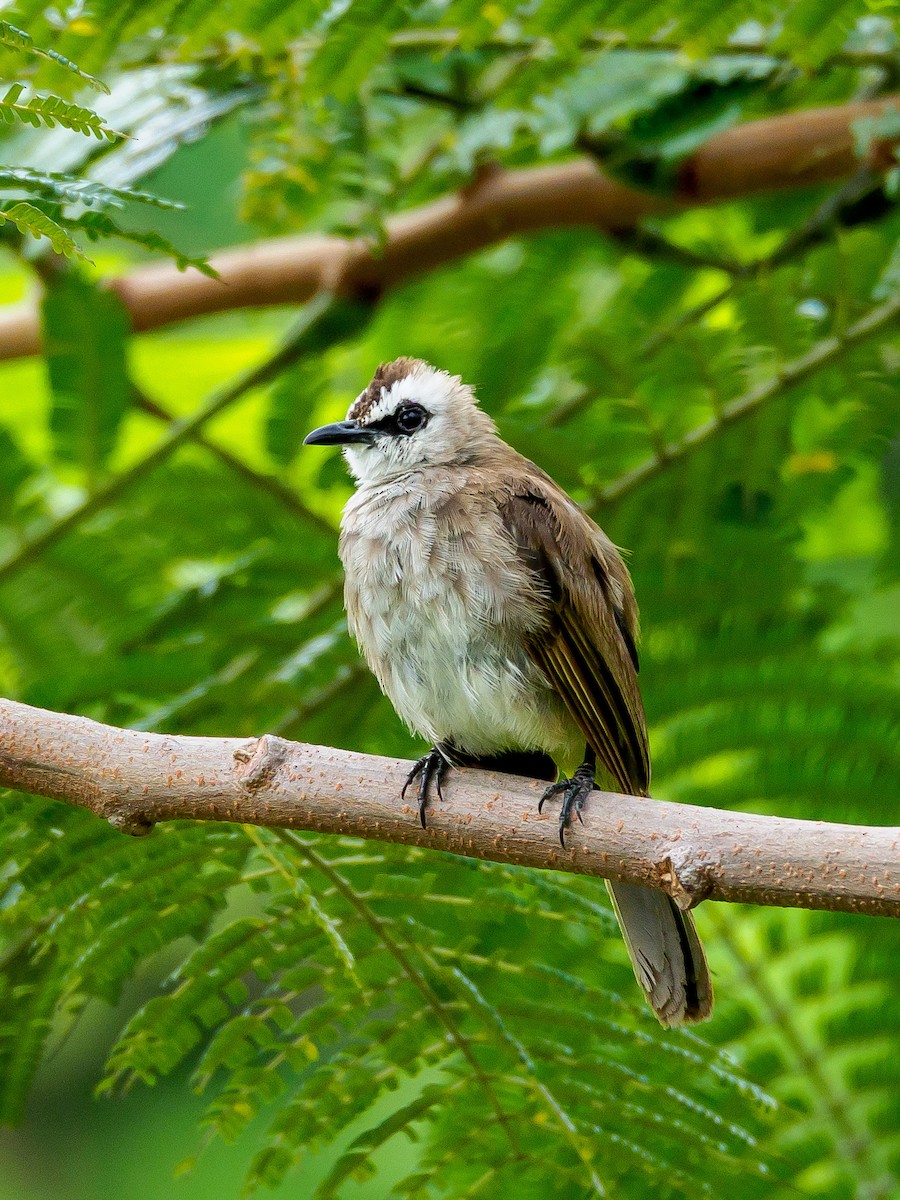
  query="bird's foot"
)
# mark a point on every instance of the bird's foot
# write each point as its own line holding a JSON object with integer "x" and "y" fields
{"x": 574, "y": 792}
{"x": 432, "y": 765}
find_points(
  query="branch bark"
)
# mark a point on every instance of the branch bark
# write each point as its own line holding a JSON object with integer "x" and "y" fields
{"x": 793, "y": 150}
{"x": 134, "y": 779}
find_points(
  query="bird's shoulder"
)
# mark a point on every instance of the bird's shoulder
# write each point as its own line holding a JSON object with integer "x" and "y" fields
{"x": 582, "y": 568}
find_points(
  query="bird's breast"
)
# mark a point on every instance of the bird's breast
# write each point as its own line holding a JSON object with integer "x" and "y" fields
{"x": 440, "y": 605}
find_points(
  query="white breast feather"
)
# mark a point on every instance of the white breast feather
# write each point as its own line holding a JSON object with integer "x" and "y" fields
{"x": 439, "y": 608}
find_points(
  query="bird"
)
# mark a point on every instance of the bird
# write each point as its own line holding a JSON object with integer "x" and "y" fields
{"x": 501, "y": 623}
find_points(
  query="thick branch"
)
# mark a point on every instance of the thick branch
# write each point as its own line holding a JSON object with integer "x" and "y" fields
{"x": 135, "y": 779}
{"x": 793, "y": 150}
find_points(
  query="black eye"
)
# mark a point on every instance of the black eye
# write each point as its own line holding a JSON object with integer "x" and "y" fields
{"x": 411, "y": 418}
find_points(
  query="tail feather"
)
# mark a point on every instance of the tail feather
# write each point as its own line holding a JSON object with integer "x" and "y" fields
{"x": 666, "y": 954}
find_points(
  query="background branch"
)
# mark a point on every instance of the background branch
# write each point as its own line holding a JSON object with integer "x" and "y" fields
{"x": 792, "y": 150}
{"x": 135, "y": 779}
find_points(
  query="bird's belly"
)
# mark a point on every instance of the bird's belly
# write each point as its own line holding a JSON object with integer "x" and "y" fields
{"x": 454, "y": 676}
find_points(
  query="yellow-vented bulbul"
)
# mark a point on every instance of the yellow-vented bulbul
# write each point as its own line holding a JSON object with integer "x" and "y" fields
{"x": 501, "y": 623}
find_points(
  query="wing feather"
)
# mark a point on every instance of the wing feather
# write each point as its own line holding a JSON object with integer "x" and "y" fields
{"x": 593, "y": 716}
{"x": 585, "y": 645}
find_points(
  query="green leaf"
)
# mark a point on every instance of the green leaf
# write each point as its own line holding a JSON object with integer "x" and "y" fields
{"x": 14, "y": 468}
{"x": 889, "y": 281}
{"x": 606, "y": 91}
{"x": 27, "y": 218}
{"x": 17, "y": 39}
{"x": 291, "y": 405}
{"x": 85, "y": 331}
{"x": 354, "y": 34}
{"x": 99, "y": 225}
{"x": 51, "y": 111}
{"x": 60, "y": 188}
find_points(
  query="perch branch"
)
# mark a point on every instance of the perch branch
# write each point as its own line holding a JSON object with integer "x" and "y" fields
{"x": 135, "y": 779}
{"x": 796, "y": 149}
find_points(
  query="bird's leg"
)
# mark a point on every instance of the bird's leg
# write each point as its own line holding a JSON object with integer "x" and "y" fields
{"x": 432, "y": 765}
{"x": 574, "y": 792}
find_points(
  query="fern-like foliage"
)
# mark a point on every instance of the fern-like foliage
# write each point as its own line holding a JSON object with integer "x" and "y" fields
{"x": 18, "y": 40}
{"x": 807, "y": 1011}
{"x": 97, "y": 226}
{"x": 41, "y": 981}
{"x": 51, "y": 111}
{"x": 358, "y": 984}
{"x": 58, "y": 188}
{"x": 29, "y": 219}
{"x": 44, "y": 214}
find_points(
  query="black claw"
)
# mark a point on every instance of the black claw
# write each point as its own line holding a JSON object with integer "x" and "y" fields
{"x": 410, "y": 777}
{"x": 430, "y": 766}
{"x": 574, "y": 793}
{"x": 423, "y": 797}
{"x": 553, "y": 790}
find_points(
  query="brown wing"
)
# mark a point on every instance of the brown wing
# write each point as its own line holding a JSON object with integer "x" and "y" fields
{"x": 586, "y": 646}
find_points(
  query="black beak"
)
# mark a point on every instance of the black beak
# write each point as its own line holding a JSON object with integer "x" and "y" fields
{"x": 339, "y": 434}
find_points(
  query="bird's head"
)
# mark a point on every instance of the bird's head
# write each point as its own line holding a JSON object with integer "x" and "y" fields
{"x": 410, "y": 417}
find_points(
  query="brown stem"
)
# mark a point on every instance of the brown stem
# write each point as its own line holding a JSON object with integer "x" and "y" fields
{"x": 792, "y": 150}
{"x": 135, "y": 779}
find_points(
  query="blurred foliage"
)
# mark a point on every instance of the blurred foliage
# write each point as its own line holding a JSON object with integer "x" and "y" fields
{"x": 326, "y": 995}
{"x": 41, "y": 200}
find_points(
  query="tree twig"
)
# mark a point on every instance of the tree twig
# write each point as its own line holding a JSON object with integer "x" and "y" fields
{"x": 324, "y": 322}
{"x": 742, "y": 406}
{"x": 792, "y": 150}
{"x": 256, "y": 479}
{"x": 135, "y": 779}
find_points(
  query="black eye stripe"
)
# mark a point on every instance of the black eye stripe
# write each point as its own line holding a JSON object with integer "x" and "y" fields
{"x": 406, "y": 420}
